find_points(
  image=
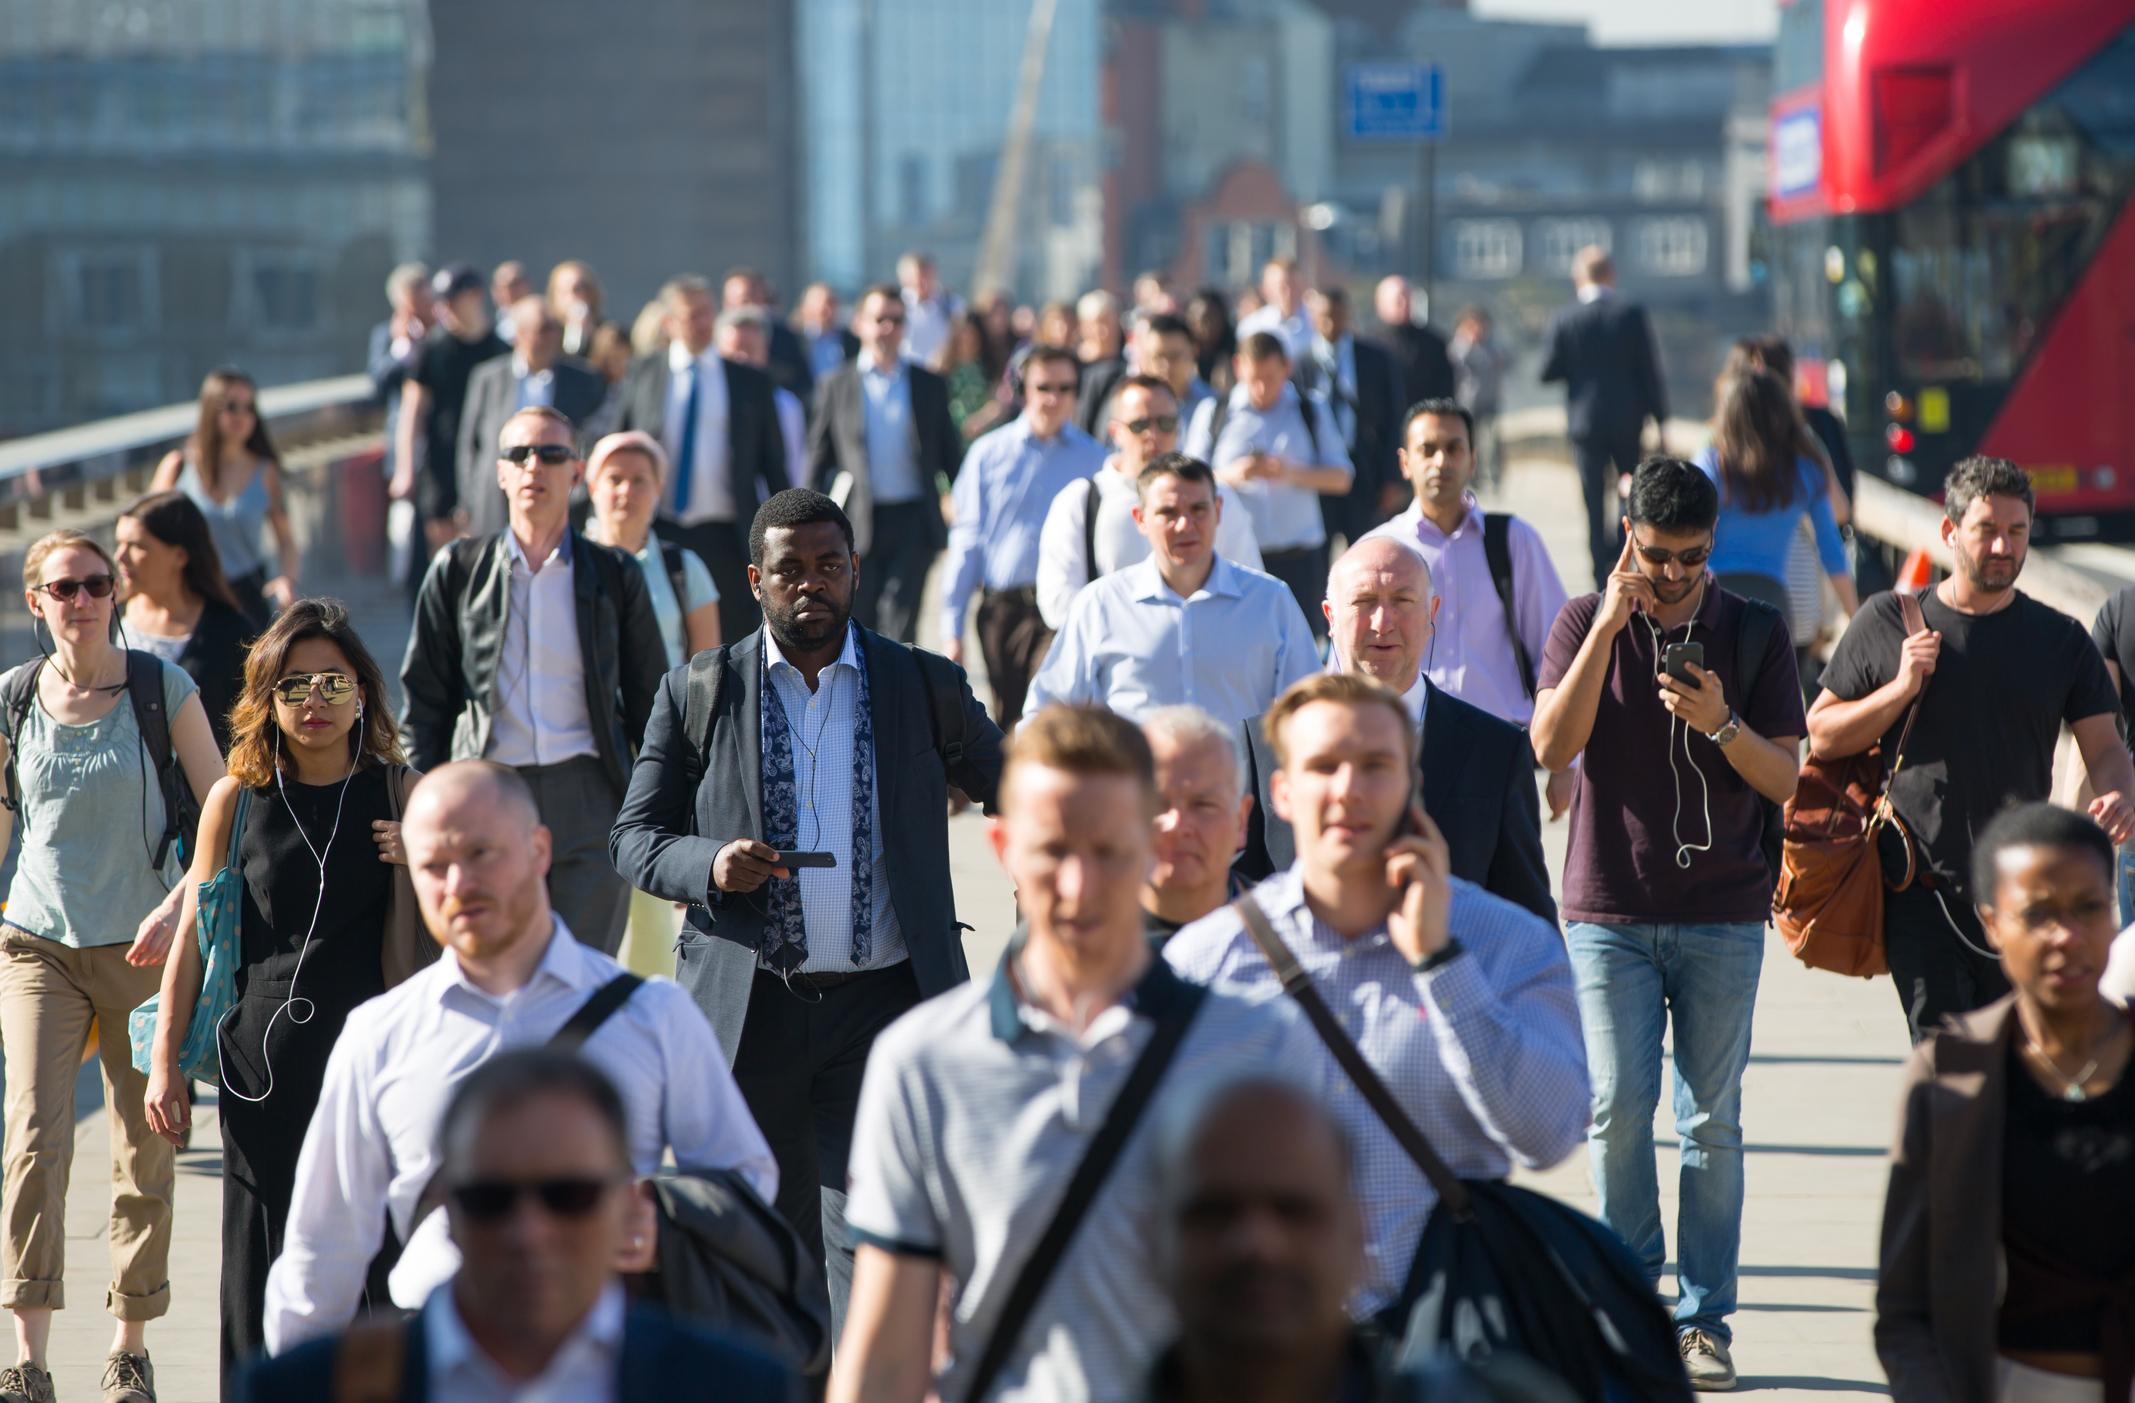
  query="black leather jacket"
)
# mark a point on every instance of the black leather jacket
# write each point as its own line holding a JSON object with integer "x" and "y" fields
{"x": 450, "y": 672}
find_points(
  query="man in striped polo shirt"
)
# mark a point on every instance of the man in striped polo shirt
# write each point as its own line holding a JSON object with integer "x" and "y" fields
{"x": 979, "y": 1105}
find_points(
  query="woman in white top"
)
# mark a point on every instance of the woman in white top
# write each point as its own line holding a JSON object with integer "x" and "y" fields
{"x": 231, "y": 471}
{"x": 625, "y": 477}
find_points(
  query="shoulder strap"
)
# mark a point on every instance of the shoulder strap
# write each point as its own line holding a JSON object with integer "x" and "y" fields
{"x": 1089, "y": 528}
{"x": 945, "y": 714}
{"x": 596, "y": 1010}
{"x": 1497, "y": 550}
{"x": 1913, "y": 619}
{"x": 19, "y": 689}
{"x": 1310, "y": 413}
{"x": 700, "y": 707}
{"x": 1759, "y": 621}
{"x": 1298, "y": 985}
{"x": 677, "y": 574}
{"x": 1097, "y": 1161}
{"x": 370, "y": 1360}
{"x": 144, "y": 686}
{"x": 1216, "y": 422}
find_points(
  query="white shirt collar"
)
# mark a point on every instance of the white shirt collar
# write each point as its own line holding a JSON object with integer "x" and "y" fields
{"x": 848, "y": 656}
{"x": 869, "y": 365}
{"x": 679, "y": 358}
{"x": 520, "y": 369}
{"x": 1417, "y": 697}
{"x": 1149, "y": 583}
{"x": 1594, "y": 292}
{"x": 561, "y": 555}
{"x": 564, "y": 961}
{"x": 451, "y": 1346}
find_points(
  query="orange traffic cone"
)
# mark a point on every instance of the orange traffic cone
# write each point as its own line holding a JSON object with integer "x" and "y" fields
{"x": 1917, "y": 573}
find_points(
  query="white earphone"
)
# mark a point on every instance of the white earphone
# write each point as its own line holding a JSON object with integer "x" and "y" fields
{"x": 1683, "y": 850}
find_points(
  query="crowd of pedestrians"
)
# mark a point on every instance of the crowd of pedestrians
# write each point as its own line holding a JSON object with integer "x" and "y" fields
{"x": 1278, "y": 707}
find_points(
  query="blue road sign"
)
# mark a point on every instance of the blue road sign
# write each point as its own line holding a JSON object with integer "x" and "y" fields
{"x": 1386, "y": 101}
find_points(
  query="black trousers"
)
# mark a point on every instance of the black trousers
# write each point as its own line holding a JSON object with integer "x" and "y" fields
{"x": 1601, "y": 461}
{"x": 886, "y": 596}
{"x": 1938, "y": 970}
{"x": 1305, "y": 571}
{"x": 1013, "y": 640}
{"x": 724, "y": 545}
{"x": 802, "y": 1052}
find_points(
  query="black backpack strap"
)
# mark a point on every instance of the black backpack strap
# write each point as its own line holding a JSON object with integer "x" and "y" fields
{"x": 1089, "y": 528}
{"x": 945, "y": 714}
{"x": 1298, "y": 985}
{"x": 1216, "y": 422}
{"x": 1497, "y": 549}
{"x": 1309, "y": 412}
{"x": 1097, "y": 1161}
{"x": 144, "y": 687}
{"x": 700, "y": 706}
{"x": 596, "y": 1010}
{"x": 1752, "y": 636}
{"x": 677, "y": 574}
{"x": 17, "y": 691}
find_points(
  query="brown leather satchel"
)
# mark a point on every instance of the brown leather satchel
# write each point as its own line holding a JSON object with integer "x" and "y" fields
{"x": 1829, "y": 901}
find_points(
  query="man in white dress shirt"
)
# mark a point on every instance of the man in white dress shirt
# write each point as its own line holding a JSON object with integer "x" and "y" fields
{"x": 510, "y": 977}
{"x": 1075, "y": 548}
{"x": 1185, "y": 626}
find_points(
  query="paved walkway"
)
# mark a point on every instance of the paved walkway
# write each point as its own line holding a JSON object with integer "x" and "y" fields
{"x": 1818, "y": 1107}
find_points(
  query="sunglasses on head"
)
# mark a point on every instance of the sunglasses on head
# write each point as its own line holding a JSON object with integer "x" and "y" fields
{"x": 335, "y": 687}
{"x": 491, "y": 1200}
{"x": 1689, "y": 559}
{"x": 1162, "y": 423}
{"x": 550, "y": 454}
{"x": 99, "y": 587}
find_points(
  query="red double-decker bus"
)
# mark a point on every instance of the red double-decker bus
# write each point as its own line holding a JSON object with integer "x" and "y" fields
{"x": 1951, "y": 247}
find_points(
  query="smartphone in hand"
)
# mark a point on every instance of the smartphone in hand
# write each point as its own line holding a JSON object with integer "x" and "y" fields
{"x": 1677, "y": 658}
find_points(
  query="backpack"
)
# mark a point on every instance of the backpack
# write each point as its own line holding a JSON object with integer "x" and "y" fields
{"x": 1752, "y": 636}
{"x": 1497, "y": 549}
{"x": 671, "y": 561}
{"x": 144, "y": 688}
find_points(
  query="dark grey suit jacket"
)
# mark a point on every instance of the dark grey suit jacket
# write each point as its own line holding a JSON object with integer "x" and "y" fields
{"x": 1602, "y": 351}
{"x": 1478, "y": 787}
{"x": 837, "y": 442}
{"x": 756, "y": 448}
{"x": 492, "y": 397}
{"x": 666, "y": 837}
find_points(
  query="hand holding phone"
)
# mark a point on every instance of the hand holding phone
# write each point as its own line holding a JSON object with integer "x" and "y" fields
{"x": 815, "y": 859}
{"x": 1677, "y": 657}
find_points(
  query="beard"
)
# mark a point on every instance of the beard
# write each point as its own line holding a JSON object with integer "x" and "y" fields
{"x": 796, "y": 633}
{"x": 1991, "y": 574}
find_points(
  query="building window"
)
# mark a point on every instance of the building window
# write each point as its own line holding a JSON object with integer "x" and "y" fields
{"x": 109, "y": 290}
{"x": 1675, "y": 247}
{"x": 1561, "y": 240}
{"x": 281, "y": 291}
{"x": 1486, "y": 248}
{"x": 1655, "y": 180}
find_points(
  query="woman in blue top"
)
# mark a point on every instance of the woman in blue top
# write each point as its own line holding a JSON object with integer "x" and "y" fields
{"x": 1767, "y": 484}
{"x": 231, "y": 471}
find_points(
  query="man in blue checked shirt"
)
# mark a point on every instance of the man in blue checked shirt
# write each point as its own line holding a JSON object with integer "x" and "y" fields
{"x": 1005, "y": 488}
{"x": 1460, "y": 1000}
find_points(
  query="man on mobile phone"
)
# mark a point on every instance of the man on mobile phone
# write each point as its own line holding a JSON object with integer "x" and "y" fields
{"x": 1667, "y": 883}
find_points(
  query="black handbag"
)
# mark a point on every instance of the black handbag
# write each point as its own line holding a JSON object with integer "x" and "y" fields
{"x": 1502, "y": 1269}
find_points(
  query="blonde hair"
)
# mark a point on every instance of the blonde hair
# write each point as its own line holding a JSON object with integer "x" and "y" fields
{"x": 1082, "y": 740}
{"x": 44, "y": 546}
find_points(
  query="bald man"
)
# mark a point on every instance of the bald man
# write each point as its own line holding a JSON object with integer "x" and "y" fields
{"x": 1477, "y": 771}
{"x": 510, "y": 976}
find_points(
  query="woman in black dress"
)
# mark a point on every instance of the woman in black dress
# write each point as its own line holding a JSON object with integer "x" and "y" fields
{"x": 317, "y": 774}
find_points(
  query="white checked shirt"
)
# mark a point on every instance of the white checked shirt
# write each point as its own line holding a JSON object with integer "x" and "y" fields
{"x": 819, "y": 725}
{"x": 540, "y": 718}
{"x": 1064, "y": 565}
{"x": 583, "y": 1369}
{"x": 1484, "y": 1052}
{"x": 372, "y": 1145}
{"x": 711, "y": 489}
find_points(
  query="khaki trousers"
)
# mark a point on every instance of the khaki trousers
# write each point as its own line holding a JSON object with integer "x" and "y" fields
{"x": 48, "y": 993}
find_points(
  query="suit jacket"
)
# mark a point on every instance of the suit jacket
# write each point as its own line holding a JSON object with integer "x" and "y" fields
{"x": 837, "y": 443}
{"x": 756, "y": 447}
{"x": 448, "y": 679}
{"x": 665, "y": 837}
{"x": 577, "y": 393}
{"x": 1379, "y": 407}
{"x": 1099, "y": 379}
{"x": 1603, "y": 353}
{"x": 1938, "y": 1283}
{"x": 1478, "y": 786}
{"x": 662, "y": 1359}
{"x": 1425, "y": 363}
{"x": 787, "y": 364}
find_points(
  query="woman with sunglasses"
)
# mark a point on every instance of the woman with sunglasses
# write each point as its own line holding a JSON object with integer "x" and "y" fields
{"x": 231, "y": 471}
{"x": 316, "y": 755}
{"x": 178, "y": 604}
{"x": 90, "y": 915}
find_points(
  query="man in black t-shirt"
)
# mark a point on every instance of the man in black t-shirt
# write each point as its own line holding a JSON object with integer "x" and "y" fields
{"x": 2002, "y": 674}
{"x": 431, "y": 399}
{"x": 2114, "y": 633}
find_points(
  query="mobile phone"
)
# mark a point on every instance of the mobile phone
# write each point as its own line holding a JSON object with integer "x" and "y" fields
{"x": 821, "y": 859}
{"x": 1676, "y": 660}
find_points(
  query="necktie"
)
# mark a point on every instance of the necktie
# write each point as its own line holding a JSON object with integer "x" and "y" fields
{"x": 686, "y": 451}
{"x": 785, "y": 947}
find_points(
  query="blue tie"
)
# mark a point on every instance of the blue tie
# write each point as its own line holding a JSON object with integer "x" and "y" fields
{"x": 686, "y": 455}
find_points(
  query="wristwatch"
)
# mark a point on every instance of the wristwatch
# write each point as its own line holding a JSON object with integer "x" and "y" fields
{"x": 1725, "y": 736}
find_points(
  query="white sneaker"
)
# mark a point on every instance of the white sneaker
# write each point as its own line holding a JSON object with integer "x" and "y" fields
{"x": 1706, "y": 1360}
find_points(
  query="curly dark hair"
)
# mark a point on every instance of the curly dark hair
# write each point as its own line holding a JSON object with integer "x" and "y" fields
{"x": 796, "y": 506}
{"x": 1980, "y": 476}
{"x": 1669, "y": 494}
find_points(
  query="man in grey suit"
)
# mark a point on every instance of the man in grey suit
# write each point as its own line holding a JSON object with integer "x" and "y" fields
{"x": 536, "y": 372}
{"x": 884, "y": 447}
{"x": 799, "y": 964}
{"x": 719, "y": 424}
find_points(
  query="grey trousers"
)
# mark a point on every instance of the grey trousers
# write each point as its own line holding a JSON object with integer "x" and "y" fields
{"x": 578, "y": 801}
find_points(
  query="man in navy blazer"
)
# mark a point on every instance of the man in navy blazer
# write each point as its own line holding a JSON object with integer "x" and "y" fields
{"x": 1477, "y": 770}
{"x": 799, "y": 967}
{"x": 537, "y": 1186}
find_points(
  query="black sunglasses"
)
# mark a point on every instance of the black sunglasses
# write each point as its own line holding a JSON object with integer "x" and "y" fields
{"x": 550, "y": 454}
{"x": 1162, "y": 423}
{"x": 99, "y": 587}
{"x": 1689, "y": 559}
{"x": 489, "y": 1200}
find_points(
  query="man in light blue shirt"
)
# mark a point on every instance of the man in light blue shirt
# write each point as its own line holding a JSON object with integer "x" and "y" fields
{"x": 1281, "y": 452}
{"x": 1007, "y": 484}
{"x": 1183, "y": 627}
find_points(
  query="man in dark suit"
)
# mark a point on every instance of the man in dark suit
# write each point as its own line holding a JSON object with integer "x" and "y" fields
{"x": 1363, "y": 387}
{"x": 1478, "y": 771}
{"x": 537, "y": 1187}
{"x": 534, "y": 373}
{"x": 1601, "y": 348}
{"x": 1426, "y": 364}
{"x": 883, "y": 446}
{"x": 851, "y": 752}
{"x": 718, "y": 422}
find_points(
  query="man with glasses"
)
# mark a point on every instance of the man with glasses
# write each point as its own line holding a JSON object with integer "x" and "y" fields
{"x": 510, "y": 977}
{"x": 1090, "y": 529}
{"x": 536, "y": 372}
{"x": 1008, "y": 482}
{"x": 1667, "y": 881}
{"x": 538, "y": 648}
{"x": 883, "y": 446}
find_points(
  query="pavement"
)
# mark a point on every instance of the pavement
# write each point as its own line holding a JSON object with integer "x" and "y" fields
{"x": 1819, "y": 1105}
